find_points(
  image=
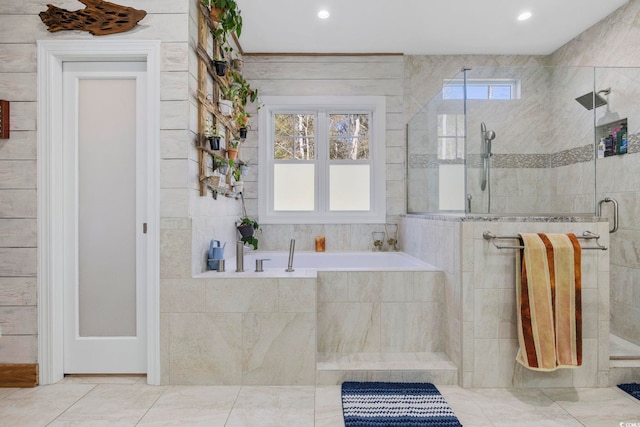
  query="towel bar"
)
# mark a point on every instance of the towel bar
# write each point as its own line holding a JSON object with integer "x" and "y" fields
{"x": 587, "y": 235}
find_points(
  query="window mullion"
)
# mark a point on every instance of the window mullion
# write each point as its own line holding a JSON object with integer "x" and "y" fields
{"x": 271, "y": 162}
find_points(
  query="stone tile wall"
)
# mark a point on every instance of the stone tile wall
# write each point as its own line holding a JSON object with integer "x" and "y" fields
{"x": 239, "y": 331}
{"x": 483, "y": 298}
{"x": 613, "y": 42}
{"x": 381, "y": 312}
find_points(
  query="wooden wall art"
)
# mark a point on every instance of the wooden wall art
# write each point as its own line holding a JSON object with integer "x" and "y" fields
{"x": 98, "y": 17}
{"x": 4, "y": 119}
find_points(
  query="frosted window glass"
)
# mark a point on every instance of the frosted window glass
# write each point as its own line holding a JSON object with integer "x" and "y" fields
{"x": 293, "y": 187}
{"x": 451, "y": 187}
{"x": 349, "y": 188}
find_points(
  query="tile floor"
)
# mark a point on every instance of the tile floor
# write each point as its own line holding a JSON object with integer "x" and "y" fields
{"x": 128, "y": 401}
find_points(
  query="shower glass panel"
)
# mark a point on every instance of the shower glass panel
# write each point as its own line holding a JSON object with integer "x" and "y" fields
{"x": 436, "y": 152}
{"x": 615, "y": 122}
{"x": 535, "y": 152}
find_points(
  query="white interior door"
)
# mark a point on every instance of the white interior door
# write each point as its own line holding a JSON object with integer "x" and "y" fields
{"x": 105, "y": 198}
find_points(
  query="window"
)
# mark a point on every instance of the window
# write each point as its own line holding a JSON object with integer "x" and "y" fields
{"x": 451, "y": 136}
{"x": 498, "y": 89}
{"x": 322, "y": 160}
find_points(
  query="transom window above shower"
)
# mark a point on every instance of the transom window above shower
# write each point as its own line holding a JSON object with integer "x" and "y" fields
{"x": 492, "y": 89}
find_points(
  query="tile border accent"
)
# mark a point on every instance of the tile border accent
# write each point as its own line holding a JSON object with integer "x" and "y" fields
{"x": 568, "y": 157}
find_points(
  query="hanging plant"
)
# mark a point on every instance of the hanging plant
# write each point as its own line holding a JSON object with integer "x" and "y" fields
{"x": 237, "y": 64}
{"x": 222, "y": 166}
{"x": 242, "y": 119}
{"x": 220, "y": 66}
{"x": 216, "y": 13}
{"x": 246, "y": 93}
{"x": 212, "y": 134}
{"x": 247, "y": 228}
{"x": 228, "y": 18}
{"x": 242, "y": 122}
{"x": 232, "y": 150}
{"x": 227, "y": 104}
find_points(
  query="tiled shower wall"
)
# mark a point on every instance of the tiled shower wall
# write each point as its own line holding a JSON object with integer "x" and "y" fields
{"x": 614, "y": 42}
{"x": 481, "y": 303}
{"x": 437, "y": 242}
{"x": 541, "y": 131}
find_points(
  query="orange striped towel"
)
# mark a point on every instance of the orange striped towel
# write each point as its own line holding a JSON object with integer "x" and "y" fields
{"x": 548, "y": 289}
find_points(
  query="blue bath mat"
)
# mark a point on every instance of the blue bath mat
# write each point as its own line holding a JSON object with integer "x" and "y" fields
{"x": 395, "y": 405}
{"x": 632, "y": 388}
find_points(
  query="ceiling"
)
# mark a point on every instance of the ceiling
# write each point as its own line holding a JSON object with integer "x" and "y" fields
{"x": 417, "y": 27}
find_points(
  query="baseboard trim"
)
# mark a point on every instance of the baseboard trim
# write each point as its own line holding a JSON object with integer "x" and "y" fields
{"x": 18, "y": 374}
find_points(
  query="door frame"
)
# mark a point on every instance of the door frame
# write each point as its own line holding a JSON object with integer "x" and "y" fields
{"x": 51, "y": 55}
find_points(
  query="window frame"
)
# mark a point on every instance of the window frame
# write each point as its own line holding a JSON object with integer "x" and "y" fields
{"x": 514, "y": 84}
{"x": 373, "y": 105}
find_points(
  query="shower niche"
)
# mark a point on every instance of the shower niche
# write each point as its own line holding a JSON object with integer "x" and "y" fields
{"x": 613, "y": 138}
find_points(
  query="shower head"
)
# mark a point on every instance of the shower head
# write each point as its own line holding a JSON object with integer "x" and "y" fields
{"x": 587, "y": 100}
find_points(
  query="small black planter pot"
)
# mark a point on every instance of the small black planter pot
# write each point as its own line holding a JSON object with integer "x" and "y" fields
{"x": 221, "y": 67}
{"x": 246, "y": 230}
{"x": 214, "y": 142}
{"x": 243, "y": 133}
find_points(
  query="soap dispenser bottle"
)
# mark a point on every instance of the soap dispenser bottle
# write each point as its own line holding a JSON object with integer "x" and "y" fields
{"x": 601, "y": 148}
{"x": 623, "y": 141}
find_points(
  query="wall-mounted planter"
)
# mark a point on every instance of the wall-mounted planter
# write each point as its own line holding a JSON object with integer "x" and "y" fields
{"x": 237, "y": 64}
{"x": 226, "y": 107}
{"x": 232, "y": 153}
{"x": 215, "y": 13}
{"x": 246, "y": 230}
{"x": 220, "y": 67}
{"x": 214, "y": 142}
{"x": 223, "y": 168}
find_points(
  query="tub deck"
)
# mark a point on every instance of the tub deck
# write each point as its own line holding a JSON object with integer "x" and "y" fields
{"x": 307, "y": 264}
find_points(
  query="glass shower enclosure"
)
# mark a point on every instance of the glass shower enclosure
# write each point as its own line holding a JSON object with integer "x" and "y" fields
{"x": 505, "y": 141}
{"x": 536, "y": 141}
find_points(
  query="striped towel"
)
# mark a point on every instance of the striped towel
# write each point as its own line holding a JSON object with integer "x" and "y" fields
{"x": 548, "y": 289}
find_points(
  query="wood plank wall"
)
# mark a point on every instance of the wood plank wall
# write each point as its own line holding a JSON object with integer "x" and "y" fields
{"x": 20, "y": 27}
{"x": 317, "y": 75}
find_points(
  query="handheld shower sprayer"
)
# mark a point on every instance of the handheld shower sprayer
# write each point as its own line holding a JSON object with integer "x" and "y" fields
{"x": 487, "y": 136}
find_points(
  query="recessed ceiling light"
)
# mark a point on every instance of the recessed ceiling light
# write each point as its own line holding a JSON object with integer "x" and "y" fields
{"x": 524, "y": 16}
{"x": 323, "y": 14}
